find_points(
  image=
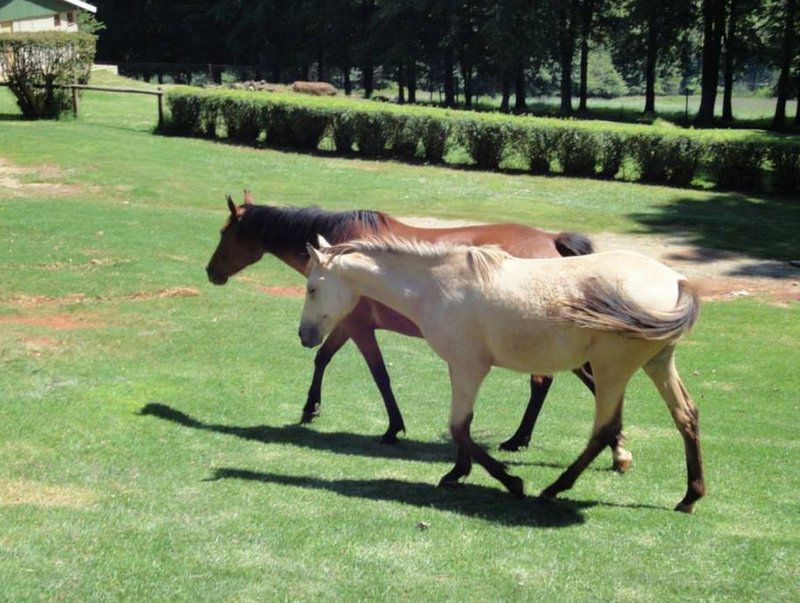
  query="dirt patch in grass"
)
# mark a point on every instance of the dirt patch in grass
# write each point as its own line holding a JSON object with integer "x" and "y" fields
{"x": 297, "y": 291}
{"x": 34, "y": 301}
{"x": 719, "y": 274}
{"x": 11, "y": 179}
{"x": 57, "y": 322}
{"x": 161, "y": 294}
{"x": 25, "y": 492}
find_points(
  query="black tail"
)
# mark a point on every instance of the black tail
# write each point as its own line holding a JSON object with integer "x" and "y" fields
{"x": 573, "y": 243}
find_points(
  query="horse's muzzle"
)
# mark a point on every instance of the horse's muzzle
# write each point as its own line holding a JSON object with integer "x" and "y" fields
{"x": 310, "y": 336}
{"x": 215, "y": 277}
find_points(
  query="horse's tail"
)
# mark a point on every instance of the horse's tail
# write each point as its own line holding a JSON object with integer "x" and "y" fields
{"x": 573, "y": 243}
{"x": 604, "y": 308}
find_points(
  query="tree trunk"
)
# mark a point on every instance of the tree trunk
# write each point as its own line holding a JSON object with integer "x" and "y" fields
{"x": 505, "y": 87}
{"x": 787, "y": 50}
{"x": 449, "y": 83}
{"x": 651, "y": 60}
{"x": 401, "y": 82}
{"x": 588, "y": 15}
{"x": 412, "y": 83}
{"x": 584, "y": 73}
{"x": 348, "y": 85}
{"x": 797, "y": 106}
{"x": 466, "y": 73}
{"x": 519, "y": 87}
{"x": 730, "y": 51}
{"x": 566, "y": 51}
{"x": 368, "y": 78}
{"x": 713, "y": 25}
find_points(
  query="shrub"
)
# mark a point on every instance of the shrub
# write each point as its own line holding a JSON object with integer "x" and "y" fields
{"x": 407, "y": 138}
{"x": 736, "y": 159}
{"x": 435, "y": 133}
{"x": 736, "y": 164}
{"x": 610, "y": 153}
{"x": 484, "y": 141}
{"x": 371, "y": 132}
{"x": 667, "y": 159}
{"x": 34, "y": 63}
{"x": 242, "y": 121}
{"x": 539, "y": 144}
{"x": 343, "y": 131}
{"x": 577, "y": 152}
{"x": 785, "y": 161}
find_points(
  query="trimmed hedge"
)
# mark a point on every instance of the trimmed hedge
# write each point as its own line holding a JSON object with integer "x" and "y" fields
{"x": 733, "y": 159}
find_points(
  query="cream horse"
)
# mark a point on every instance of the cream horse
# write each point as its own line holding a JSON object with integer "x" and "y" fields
{"x": 479, "y": 307}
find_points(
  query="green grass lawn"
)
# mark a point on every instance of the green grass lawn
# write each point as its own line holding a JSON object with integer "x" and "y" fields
{"x": 148, "y": 440}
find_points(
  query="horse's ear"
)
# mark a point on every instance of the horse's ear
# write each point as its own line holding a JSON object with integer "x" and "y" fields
{"x": 231, "y": 206}
{"x": 323, "y": 242}
{"x": 313, "y": 253}
{"x": 248, "y": 197}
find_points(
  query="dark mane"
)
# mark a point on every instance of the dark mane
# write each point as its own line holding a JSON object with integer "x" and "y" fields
{"x": 286, "y": 228}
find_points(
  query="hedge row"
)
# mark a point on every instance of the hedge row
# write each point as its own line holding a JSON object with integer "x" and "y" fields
{"x": 732, "y": 159}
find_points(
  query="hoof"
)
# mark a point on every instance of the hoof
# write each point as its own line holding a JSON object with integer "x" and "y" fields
{"x": 513, "y": 445}
{"x": 685, "y": 507}
{"x": 550, "y": 492}
{"x": 450, "y": 484}
{"x": 622, "y": 462}
{"x": 308, "y": 417}
{"x": 389, "y": 439}
{"x": 516, "y": 486}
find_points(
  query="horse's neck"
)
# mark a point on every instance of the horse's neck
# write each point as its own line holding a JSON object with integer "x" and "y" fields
{"x": 293, "y": 258}
{"x": 405, "y": 289}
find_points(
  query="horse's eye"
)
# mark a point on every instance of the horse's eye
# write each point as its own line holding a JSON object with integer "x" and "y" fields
{"x": 312, "y": 291}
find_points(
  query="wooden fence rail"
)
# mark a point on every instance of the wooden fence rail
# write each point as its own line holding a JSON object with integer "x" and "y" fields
{"x": 75, "y": 88}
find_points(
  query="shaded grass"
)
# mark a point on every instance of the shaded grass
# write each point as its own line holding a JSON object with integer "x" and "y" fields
{"x": 162, "y": 432}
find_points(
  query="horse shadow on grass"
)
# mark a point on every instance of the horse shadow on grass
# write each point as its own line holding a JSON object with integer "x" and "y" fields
{"x": 298, "y": 435}
{"x": 339, "y": 442}
{"x": 472, "y": 500}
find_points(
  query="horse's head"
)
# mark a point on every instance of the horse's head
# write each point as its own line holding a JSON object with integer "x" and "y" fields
{"x": 236, "y": 250}
{"x": 329, "y": 297}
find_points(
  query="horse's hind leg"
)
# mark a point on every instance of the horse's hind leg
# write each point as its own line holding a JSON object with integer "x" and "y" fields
{"x": 610, "y": 387}
{"x": 465, "y": 384}
{"x": 332, "y": 344}
{"x": 540, "y": 385}
{"x": 661, "y": 369}
{"x": 621, "y": 458}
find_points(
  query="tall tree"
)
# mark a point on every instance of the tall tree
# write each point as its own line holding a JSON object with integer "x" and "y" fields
{"x": 568, "y": 15}
{"x": 713, "y": 12}
{"x": 788, "y": 51}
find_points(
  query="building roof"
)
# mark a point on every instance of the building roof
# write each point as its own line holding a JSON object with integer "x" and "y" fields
{"x": 84, "y": 5}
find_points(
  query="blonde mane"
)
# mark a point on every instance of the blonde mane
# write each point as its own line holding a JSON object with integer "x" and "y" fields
{"x": 483, "y": 261}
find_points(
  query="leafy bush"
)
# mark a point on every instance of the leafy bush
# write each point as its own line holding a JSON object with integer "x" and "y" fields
{"x": 785, "y": 168}
{"x": 666, "y": 159}
{"x": 435, "y": 133}
{"x": 242, "y": 121}
{"x": 343, "y": 132}
{"x": 577, "y": 152}
{"x": 665, "y": 155}
{"x": 485, "y": 141}
{"x": 736, "y": 165}
{"x": 35, "y": 63}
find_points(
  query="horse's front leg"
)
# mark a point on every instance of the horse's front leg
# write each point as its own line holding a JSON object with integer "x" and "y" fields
{"x": 364, "y": 338}
{"x": 337, "y": 338}
{"x": 465, "y": 382}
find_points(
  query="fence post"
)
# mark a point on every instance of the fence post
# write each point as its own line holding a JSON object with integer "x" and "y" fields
{"x": 160, "y": 108}
{"x": 75, "y": 101}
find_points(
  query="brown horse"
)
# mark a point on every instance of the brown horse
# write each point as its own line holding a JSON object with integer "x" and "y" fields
{"x": 253, "y": 230}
